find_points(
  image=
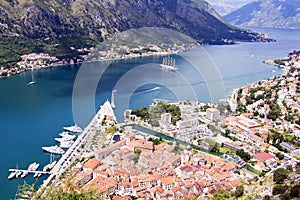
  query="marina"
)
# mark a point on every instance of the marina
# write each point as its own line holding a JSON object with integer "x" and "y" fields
{"x": 66, "y": 141}
{"x": 75, "y": 151}
{"x": 32, "y": 168}
{"x": 24, "y": 171}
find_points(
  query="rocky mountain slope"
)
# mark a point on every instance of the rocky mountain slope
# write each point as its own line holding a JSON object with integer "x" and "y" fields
{"x": 267, "y": 13}
{"x": 55, "y": 25}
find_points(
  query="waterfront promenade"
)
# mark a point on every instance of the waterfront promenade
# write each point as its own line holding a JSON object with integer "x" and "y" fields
{"x": 79, "y": 147}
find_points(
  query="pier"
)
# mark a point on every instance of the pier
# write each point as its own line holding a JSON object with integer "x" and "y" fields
{"x": 28, "y": 171}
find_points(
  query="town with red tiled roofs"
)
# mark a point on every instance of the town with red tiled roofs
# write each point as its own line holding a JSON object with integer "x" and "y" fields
{"x": 193, "y": 150}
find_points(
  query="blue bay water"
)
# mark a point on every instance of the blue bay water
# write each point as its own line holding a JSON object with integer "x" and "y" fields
{"x": 32, "y": 116}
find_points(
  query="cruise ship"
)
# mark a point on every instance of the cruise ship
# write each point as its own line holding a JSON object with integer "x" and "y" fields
{"x": 168, "y": 64}
{"x": 74, "y": 129}
{"x": 54, "y": 149}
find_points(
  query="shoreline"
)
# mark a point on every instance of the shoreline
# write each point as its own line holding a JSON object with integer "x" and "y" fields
{"x": 235, "y": 90}
{"x": 15, "y": 70}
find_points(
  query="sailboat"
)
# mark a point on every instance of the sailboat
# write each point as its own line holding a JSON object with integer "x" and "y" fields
{"x": 33, "y": 81}
{"x": 168, "y": 63}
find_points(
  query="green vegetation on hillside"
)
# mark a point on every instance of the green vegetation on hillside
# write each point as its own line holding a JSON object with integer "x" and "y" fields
{"x": 153, "y": 115}
{"x": 11, "y": 48}
{"x": 284, "y": 187}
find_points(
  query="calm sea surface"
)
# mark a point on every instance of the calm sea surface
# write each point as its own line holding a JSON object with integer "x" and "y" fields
{"x": 32, "y": 116}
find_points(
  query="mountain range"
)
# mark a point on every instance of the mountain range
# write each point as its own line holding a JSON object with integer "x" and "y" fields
{"x": 224, "y": 7}
{"x": 267, "y": 13}
{"x": 54, "y": 26}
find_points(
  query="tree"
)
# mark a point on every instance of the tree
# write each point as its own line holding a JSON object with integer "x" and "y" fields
{"x": 241, "y": 108}
{"x": 136, "y": 157}
{"x": 279, "y": 175}
{"x": 278, "y": 189}
{"x": 285, "y": 196}
{"x": 227, "y": 132}
{"x": 57, "y": 193}
{"x": 279, "y": 155}
{"x": 221, "y": 195}
{"x": 239, "y": 191}
{"x": 216, "y": 147}
{"x": 143, "y": 113}
{"x": 275, "y": 111}
{"x": 111, "y": 130}
{"x": 26, "y": 190}
{"x": 295, "y": 191}
{"x": 155, "y": 141}
{"x": 267, "y": 197}
{"x": 244, "y": 155}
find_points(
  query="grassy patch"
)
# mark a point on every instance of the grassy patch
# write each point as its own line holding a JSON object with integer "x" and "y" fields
{"x": 227, "y": 151}
{"x": 251, "y": 169}
{"x": 297, "y": 157}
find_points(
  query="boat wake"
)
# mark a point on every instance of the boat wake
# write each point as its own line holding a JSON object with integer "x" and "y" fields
{"x": 146, "y": 91}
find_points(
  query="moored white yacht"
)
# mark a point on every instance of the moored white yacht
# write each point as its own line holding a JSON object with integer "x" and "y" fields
{"x": 37, "y": 175}
{"x": 24, "y": 174}
{"x": 74, "y": 129}
{"x": 65, "y": 138}
{"x": 52, "y": 164}
{"x": 19, "y": 173}
{"x": 49, "y": 166}
{"x": 54, "y": 149}
{"x": 35, "y": 166}
{"x": 12, "y": 174}
{"x": 66, "y": 144}
{"x": 64, "y": 133}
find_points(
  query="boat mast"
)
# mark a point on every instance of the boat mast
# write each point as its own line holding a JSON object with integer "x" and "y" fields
{"x": 51, "y": 157}
{"x": 113, "y": 105}
{"x": 32, "y": 77}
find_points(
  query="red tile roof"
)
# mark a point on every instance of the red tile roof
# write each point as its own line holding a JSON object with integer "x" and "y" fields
{"x": 264, "y": 156}
{"x": 167, "y": 180}
{"x": 121, "y": 198}
{"x": 92, "y": 163}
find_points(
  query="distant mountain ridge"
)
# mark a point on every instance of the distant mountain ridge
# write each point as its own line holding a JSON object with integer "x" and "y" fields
{"x": 56, "y": 25}
{"x": 228, "y": 6}
{"x": 267, "y": 13}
